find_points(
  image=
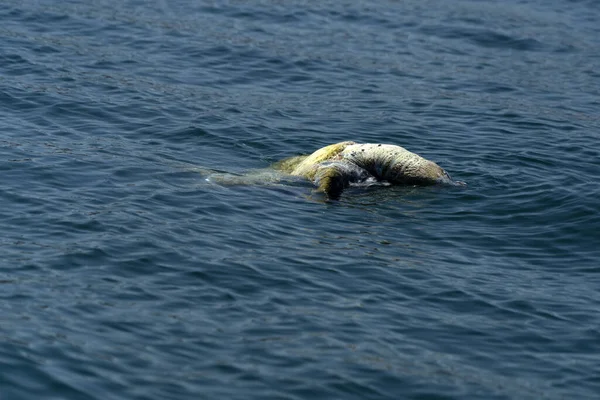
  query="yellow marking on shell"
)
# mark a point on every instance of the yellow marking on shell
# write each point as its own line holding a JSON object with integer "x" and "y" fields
{"x": 308, "y": 167}
{"x": 288, "y": 165}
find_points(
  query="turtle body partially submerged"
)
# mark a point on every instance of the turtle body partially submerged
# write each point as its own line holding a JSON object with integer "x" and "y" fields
{"x": 335, "y": 167}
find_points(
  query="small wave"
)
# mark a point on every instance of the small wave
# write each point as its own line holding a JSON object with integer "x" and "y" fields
{"x": 484, "y": 37}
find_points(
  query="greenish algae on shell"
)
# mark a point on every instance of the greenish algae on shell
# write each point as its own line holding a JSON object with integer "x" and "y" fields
{"x": 289, "y": 164}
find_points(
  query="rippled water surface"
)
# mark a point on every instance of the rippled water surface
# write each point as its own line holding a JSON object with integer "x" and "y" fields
{"x": 126, "y": 274}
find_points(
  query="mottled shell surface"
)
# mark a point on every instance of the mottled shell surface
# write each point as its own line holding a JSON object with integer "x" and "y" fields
{"x": 393, "y": 163}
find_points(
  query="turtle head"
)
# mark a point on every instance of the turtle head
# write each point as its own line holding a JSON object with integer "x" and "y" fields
{"x": 441, "y": 176}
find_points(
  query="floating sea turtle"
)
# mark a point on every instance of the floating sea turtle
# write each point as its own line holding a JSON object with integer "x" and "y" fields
{"x": 335, "y": 167}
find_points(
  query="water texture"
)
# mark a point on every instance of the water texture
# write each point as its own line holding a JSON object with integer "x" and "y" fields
{"x": 125, "y": 274}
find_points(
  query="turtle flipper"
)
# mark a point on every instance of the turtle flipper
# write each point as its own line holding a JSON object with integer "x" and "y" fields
{"x": 332, "y": 178}
{"x": 331, "y": 181}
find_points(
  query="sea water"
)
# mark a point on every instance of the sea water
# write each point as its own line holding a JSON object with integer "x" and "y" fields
{"x": 126, "y": 274}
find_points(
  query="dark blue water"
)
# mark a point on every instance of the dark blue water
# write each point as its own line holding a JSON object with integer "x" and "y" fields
{"x": 124, "y": 274}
